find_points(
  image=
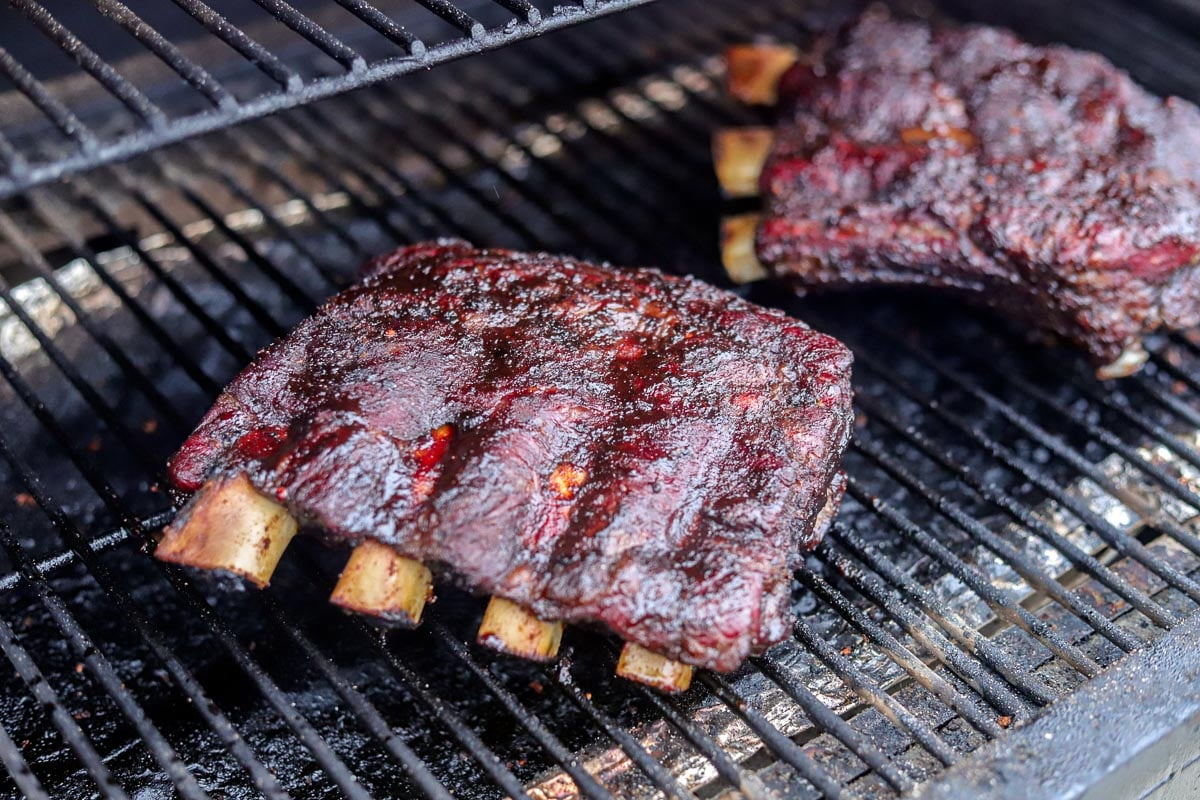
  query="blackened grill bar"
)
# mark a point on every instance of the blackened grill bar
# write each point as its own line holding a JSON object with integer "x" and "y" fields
{"x": 829, "y": 713}
{"x": 294, "y": 89}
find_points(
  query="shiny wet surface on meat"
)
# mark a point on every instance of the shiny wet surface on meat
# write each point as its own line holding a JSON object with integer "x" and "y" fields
{"x": 1041, "y": 181}
{"x": 621, "y": 447}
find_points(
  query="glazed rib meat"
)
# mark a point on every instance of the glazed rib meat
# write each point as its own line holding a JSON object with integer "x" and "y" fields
{"x": 1040, "y": 181}
{"x": 608, "y": 446}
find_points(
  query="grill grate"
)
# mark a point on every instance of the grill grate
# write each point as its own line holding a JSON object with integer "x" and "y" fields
{"x": 1011, "y": 528}
{"x": 287, "y": 60}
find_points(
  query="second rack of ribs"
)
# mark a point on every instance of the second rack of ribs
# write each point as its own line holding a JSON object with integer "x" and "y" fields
{"x": 1041, "y": 181}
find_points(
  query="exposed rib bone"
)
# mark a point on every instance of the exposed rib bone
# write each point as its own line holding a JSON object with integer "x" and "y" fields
{"x": 659, "y": 672}
{"x": 379, "y": 581}
{"x": 737, "y": 249}
{"x": 230, "y": 525}
{"x": 1124, "y": 365}
{"x": 511, "y": 629}
{"x": 739, "y": 155}
{"x": 755, "y": 69}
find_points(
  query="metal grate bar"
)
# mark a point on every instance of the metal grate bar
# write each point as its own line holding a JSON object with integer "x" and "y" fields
{"x": 185, "y": 185}
{"x": 1177, "y": 371}
{"x": 1004, "y": 606}
{"x": 326, "y": 758}
{"x": 971, "y": 672}
{"x": 663, "y": 780}
{"x": 32, "y": 88}
{"x": 328, "y": 130}
{"x": 1161, "y": 478}
{"x": 530, "y": 722}
{"x": 540, "y": 163}
{"x": 322, "y": 752}
{"x": 375, "y": 212}
{"x": 901, "y": 655}
{"x": 575, "y": 230}
{"x": 329, "y": 44}
{"x": 195, "y": 75}
{"x": 523, "y": 9}
{"x": 596, "y": 233}
{"x": 1126, "y": 545}
{"x": 1072, "y": 552}
{"x": 320, "y": 749}
{"x": 1035, "y": 576}
{"x": 99, "y": 544}
{"x": 444, "y": 715}
{"x": 84, "y": 551}
{"x": 33, "y": 259}
{"x": 827, "y": 720}
{"x": 262, "y": 162}
{"x": 249, "y": 49}
{"x": 86, "y": 195}
{"x": 780, "y": 745}
{"x": 680, "y": 151}
{"x": 83, "y": 646}
{"x": 369, "y": 107}
{"x": 1055, "y": 443}
{"x": 9, "y": 157}
{"x": 969, "y": 639}
{"x": 255, "y": 309}
{"x": 53, "y": 216}
{"x": 456, "y": 17}
{"x": 740, "y": 779}
{"x": 50, "y": 702}
{"x": 1177, "y": 407}
{"x": 98, "y": 68}
{"x": 294, "y": 90}
{"x": 228, "y": 180}
{"x": 430, "y": 218}
{"x": 1191, "y": 347}
{"x": 866, "y": 689}
{"x": 613, "y": 208}
{"x": 395, "y": 32}
{"x": 85, "y": 389}
{"x": 18, "y": 768}
{"x": 1142, "y": 422}
{"x": 366, "y": 712}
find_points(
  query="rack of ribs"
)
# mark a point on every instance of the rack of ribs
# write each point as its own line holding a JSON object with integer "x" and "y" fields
{"x": 1039, "y": 181}
{"x": 585, "y": 444}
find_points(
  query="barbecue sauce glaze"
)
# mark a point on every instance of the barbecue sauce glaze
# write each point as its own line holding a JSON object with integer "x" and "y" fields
{"x": 610, "y": 446}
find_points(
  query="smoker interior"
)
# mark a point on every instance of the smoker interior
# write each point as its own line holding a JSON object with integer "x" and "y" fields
{"x": 1012, "y": 527}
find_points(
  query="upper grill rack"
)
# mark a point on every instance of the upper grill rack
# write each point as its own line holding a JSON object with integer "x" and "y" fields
{"x": 1011, "y": 530}
{"x": 208, "y": 73}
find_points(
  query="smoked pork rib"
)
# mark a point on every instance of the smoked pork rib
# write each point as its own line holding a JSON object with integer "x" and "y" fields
{"x": 1040, "y": 181}
{"x": 595, "y": 445}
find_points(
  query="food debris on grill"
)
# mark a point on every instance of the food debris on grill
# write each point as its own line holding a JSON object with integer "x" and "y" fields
{"x": 1039, "y": 181}
{"x": 584, "y": 444}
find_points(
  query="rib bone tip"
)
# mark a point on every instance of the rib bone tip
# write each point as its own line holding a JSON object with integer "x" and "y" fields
{"x": 738, "y": 156}
{"x": 229, "y": 525}
{"x": 755, "y": 69}
{"x": 737, "y": 249}
{"x": 511, "y": 629}
{"x": 658, "y": 672}
{"x": 382, "y": 583}
{"x": 1130, "y": 361}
